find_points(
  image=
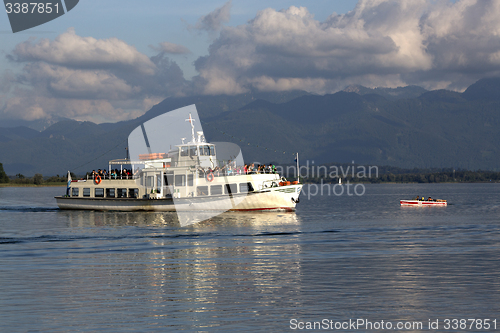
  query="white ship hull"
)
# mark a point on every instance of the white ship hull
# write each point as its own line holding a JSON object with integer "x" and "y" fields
{"x": 282, "y": 198}
{"x": 420, "y": 203}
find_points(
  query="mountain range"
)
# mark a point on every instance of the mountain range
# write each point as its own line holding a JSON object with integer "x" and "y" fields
{"x": 407, "y": 127}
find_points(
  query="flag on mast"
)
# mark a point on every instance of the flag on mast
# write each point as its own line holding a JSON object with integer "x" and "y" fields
{"x": 69, "y": 183}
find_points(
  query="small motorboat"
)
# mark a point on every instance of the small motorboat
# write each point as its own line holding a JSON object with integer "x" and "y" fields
{"x": 420, "y": 202}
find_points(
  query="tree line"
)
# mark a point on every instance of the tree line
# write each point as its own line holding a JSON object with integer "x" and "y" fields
{"x": 384, "y": 175}
{"x": 3, "y": 176}
{"x": 465, "y": 176}
{"x": 37, "y": 179}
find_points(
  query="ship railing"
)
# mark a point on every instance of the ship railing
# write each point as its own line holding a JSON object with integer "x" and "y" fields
{"x": 234, "y": 172}
{"x": 118, "y": 165}
{"x": 109, "y": 176}
{"x": 270, "y": 183}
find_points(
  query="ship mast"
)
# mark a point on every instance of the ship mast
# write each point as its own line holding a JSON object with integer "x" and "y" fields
{"x": 191, "y": 120}
{"x": 298, "y": 169}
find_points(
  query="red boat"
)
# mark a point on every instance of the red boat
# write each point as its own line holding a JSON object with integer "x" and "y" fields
{"x": 421, "y": 202}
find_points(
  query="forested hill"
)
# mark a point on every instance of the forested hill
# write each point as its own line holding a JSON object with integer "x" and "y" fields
{"x": 404, "y": 127}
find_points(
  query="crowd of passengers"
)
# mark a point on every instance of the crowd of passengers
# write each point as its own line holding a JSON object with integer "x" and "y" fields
{"x": 229, "y": 169}
{"x": 112, "y": 174}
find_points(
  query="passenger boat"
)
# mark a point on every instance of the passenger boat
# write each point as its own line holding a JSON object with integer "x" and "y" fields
{"x": 423, "y": 203}
{"x": 189, "y": 177}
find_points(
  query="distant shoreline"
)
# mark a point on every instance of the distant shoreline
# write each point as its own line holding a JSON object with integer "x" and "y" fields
{"x": 380, "y": 183}
{"x": 447, "y": 177}
{"x": 32, "y": 185}
{"x": 305, "y": 183}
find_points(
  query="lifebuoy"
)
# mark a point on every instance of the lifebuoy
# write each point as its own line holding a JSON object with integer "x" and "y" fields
{"x": 210, "y": 177}
{"x": 97, "y": 180}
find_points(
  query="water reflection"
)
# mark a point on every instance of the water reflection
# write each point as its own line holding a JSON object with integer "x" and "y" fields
{"x": 247, "y": 277}
{"x": 82, "y": 218}
{"x": 85, "y": 219}
{"x": 245, "y": 263}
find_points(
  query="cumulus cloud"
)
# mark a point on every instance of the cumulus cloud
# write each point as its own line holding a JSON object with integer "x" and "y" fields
{"x": 87, "y": 79}
{"x": 29, "y": 106}
{"x": 436, "y": 44}
{"x": 62, "y": 82}
{"x": 214, "y": 20}
{"x": 73, "y": 51}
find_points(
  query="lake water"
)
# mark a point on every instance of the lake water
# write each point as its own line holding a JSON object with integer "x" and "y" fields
{"x": 337, "y": 259}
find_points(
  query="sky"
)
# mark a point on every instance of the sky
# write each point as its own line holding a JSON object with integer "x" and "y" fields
{"x": 107, "y": 61}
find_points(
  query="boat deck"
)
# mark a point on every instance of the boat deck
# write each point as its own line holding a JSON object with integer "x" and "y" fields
{"x": 423, "y": 203}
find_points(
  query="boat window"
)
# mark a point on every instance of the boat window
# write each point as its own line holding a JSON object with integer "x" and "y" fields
{"x": 86, "y": 192}
{"x": 74, "y": 191}
{"x": 190, "y": 180}
{"x": 169, "y": 178}
{"x": 149, "y": 181}
{"x": 216, "y": 190}
{"x": 99, "y": 193}
{"x": 184, "y": 151}
{"x": 193, "y": 151}
{"x": 110, "y": 193}
{"x": 246, "y": 187}
{"x": 133, "y": 193}
{"x": 201, "y": 190}
{"x": 121, "y": 192}
{"x": 180, "y": 180}
{"x": 204, "y": 151}
{"x": 212, "y": 150}
{"x": 230, "y": 188}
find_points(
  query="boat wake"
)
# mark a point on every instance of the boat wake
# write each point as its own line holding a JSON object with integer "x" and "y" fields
{"x": 28, "y": 209}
